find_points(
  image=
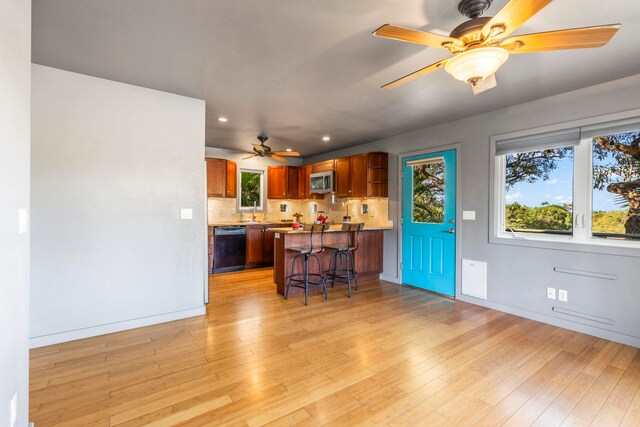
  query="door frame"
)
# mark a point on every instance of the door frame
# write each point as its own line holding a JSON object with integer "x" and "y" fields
{"x": 457, "y": 147}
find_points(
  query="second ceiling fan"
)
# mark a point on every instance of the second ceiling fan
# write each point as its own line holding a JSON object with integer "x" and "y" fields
{"x": 261, "y": 150}
{"x": 481, "y": 44}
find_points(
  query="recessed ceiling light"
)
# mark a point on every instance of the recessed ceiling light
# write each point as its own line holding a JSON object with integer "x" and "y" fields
{"x": 223, "y": 119}
{"x": 289, "y": 150}
{"x": 326, "y": 138}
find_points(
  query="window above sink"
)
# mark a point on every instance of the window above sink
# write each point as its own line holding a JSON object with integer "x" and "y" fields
{"x": 250, "y": 190}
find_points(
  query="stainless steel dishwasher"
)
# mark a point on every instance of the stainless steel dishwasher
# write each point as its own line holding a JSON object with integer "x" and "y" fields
{"x": 229, "y": 248}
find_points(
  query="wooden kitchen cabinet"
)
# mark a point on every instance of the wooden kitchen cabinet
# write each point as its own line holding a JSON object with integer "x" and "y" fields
{"x": 304, "y": 184}
{"x": 326, "y": 166}
{"x": 282, "y": 182}
{"x": 269, "y": 242}
{"x": 358, "y": 177}
{"x": 221, "y": 178}
{"x": 342, "y": 184}
{"x": 255, "y": 244}
{"x": 276, "y": 182}
{"x": 362, "y": 175}
{"x": 292, "y": 182}
{"x": 232, "y": 180}
{"x": 260, "y": 243}
{"x": 378, "y": 175}
{"x": 210, "y": 248}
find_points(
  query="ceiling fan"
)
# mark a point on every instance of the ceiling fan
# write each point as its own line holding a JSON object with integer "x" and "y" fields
{"x": 261, "y": 150}
{"x": 481, "y": 44}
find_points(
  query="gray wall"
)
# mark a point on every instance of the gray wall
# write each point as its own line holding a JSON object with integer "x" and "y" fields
{"x": 15, "y": 48}
{"x": 517, "y": 275}
{"x": 112, "y": 166}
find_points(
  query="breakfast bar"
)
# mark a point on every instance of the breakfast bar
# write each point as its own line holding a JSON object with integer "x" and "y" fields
{"x": 368, "y": 257}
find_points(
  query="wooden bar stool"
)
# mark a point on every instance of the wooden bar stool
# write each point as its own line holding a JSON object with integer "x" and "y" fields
{"x": 304, "y": 279}
{"x": 344, "y": 252}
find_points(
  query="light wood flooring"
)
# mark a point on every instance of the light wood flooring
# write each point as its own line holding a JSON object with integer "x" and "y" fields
{"x": 391, "y": 355}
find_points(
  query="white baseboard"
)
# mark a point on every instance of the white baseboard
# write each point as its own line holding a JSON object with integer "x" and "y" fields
{"x": 555, "y": 321}
{"x": 93, "y": 331}
{"x": 391, "y": 279}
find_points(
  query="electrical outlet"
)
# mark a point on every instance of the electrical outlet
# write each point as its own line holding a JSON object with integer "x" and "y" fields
{"x": 14, "y": 409}
{"x": 551, "y": 293}
{"x": 563, "y": 295}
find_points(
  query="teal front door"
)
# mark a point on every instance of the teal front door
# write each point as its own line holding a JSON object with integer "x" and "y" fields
{"x": 429, "y": 222}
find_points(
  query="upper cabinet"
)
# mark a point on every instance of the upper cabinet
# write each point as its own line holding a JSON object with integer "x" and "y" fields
{"x": 304, "y": 183}
{"x": 362, "y": 175}
{"x": 282, "y": 182}
{"x": 378, "y": 175}
{"x": 326, "y": 166}
{"x": 232, "y": 179}
{"x": 221, "y": 178}
{"x": 342, "y": 183}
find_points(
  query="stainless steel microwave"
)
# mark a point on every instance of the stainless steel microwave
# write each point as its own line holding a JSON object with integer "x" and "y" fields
{"x": 321, "y": 182}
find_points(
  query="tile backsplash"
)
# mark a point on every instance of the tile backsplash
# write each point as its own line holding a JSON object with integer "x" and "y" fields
{"x": 377, "y": 212}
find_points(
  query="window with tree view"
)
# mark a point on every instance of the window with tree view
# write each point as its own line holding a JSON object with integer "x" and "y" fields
{"x": 539, "y": 191}
{"x": 616, "y": 186}
{"x": 580, "y": 185}
{"x": 428, "y": 192}
{"x": 251, "y": 189}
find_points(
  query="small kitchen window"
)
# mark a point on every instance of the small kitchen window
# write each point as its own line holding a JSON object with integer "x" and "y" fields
{"x": 250, "y": 189}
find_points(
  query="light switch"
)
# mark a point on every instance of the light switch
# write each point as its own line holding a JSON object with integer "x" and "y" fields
{"x": 186, "y": 213}
{"x": 469, "y": 215}
{"x": 23, "y": 221}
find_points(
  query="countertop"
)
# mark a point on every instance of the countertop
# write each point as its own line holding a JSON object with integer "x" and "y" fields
{"x": 230, "y": 223}
{"x": 334, "y": 229}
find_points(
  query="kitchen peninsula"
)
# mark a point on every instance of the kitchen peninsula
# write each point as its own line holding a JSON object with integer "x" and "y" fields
{"x": 368, "y": 257}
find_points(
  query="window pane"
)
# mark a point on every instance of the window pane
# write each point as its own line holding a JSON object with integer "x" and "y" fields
{"x": 250, "y": 189}
{"x": 616, "y": 186}
{"x": 428, "y": 192}
{"x": 539, "y": 191}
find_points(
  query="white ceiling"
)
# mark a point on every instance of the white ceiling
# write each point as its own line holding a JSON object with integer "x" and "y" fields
{"x": 298, "y": 70}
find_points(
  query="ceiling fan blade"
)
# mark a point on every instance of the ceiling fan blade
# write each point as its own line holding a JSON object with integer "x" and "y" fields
{"x": 511, "y": 16}
{"x": 574, "y": 38}
{"x": 248, "y": 157}
{"x": 286, "y": 153}
{"x": 415, "y": 36}
{"x": 278, "y": 158}
{"x": 415, "y": 74}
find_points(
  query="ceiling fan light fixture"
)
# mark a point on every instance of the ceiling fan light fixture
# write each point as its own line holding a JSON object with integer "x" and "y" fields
{"x": 474, "y": 65}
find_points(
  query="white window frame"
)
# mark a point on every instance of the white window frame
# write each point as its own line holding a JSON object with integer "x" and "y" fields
{"x": 260, "y": 207}
{"x": 582, "y": 239}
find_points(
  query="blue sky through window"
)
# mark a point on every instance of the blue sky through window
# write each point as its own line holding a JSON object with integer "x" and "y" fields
{"x": 558, "y": 189}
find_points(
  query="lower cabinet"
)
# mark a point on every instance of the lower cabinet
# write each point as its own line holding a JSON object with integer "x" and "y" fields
{"x": 259, "y": 245}
{"x": 210, "y": 248}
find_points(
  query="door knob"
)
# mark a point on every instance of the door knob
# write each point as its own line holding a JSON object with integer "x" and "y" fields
{"x": 450, "y": 231}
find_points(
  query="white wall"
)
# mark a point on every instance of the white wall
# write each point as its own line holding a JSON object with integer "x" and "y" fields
{"x": 15, "y": 55}
{"x": 517, "y": 275}
{"x": 112, "y": 165}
